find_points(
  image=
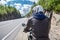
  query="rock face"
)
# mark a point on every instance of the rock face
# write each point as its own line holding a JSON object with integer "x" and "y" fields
{"x": 10, "y": 16}
{"x": 55, "y": 27}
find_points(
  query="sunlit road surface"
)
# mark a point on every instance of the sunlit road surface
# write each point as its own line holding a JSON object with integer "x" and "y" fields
{"x": 22, "y": 35}
{"x": 9, "y": 29}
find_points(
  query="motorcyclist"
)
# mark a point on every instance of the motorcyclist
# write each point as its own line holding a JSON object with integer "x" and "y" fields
{"x": 39, "y": 23}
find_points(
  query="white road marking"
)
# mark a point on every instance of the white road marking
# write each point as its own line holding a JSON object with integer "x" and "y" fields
{"x": 10, "y": 32}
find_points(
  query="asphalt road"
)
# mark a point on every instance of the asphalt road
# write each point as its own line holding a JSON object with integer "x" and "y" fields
{"x": 7, "y": 26}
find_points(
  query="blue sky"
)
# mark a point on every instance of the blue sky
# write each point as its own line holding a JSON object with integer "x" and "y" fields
{"x": 23, "y": 6}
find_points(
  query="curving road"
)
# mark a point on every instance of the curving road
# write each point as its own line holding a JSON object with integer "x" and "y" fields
{"x": 9, "y": 27}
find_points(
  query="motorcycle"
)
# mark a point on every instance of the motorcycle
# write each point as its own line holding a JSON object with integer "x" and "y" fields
{"x": 30, "y": 32}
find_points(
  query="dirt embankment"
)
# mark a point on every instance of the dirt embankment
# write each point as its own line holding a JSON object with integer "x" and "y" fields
{"x": 55, "y": 27}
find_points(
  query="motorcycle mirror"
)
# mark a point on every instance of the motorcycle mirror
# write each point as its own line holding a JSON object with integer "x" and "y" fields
{"x": 23, "y": 24}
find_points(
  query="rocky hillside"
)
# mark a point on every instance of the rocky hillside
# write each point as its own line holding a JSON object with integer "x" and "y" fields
{"x": 8, "y": 13}
{"x": 55, "y": 27}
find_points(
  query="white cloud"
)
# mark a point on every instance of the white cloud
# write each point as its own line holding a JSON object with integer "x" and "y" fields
{"x": 27, "y": 5}
{"x": 25, "y": 9}
{"x": 18, "y": 6}
{"x": 22, "y": 13}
